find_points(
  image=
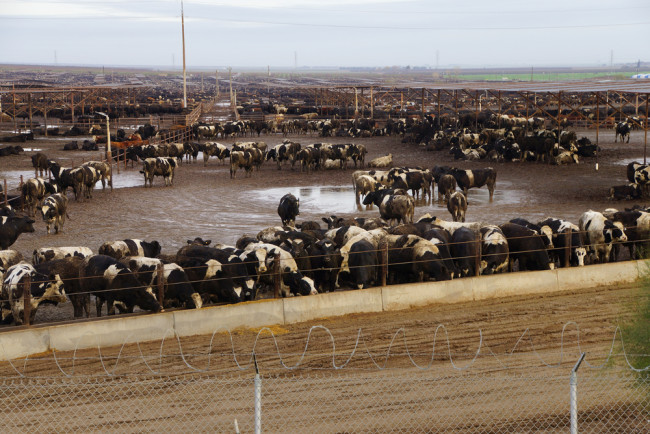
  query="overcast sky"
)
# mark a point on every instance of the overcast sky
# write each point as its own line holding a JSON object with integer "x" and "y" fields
{"x": 257, "y": 33}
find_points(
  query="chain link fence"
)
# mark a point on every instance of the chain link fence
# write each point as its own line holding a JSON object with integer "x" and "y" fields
{"x": 402, "y": 400}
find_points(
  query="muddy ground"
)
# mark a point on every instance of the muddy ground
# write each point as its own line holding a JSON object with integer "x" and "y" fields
{"x": 526, "y": 334}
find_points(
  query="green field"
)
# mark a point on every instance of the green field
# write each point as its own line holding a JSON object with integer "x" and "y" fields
{"x": 545, "y": 76}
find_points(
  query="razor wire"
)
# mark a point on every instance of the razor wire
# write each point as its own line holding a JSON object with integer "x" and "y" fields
{"x": 360, "y": 351}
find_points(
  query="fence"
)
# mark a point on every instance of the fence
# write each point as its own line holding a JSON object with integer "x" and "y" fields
{"x": 402, "y": 400}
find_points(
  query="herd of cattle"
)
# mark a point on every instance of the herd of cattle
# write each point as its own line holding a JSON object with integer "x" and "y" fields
{"x": 305, "y": 259}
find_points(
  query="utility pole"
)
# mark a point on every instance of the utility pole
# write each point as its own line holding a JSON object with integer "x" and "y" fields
{"x": 216, "y": 76}
{"x": 184, "y": 72}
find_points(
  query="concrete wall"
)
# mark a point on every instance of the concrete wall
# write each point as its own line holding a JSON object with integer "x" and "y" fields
{"x": 119, "y": 330}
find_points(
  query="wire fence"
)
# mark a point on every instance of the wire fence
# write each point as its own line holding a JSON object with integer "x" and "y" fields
{"x": 400, "y": 401}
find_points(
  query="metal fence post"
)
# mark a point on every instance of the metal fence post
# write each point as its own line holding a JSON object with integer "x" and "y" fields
{"x": 27, "y": 301}
{"x": 277, "y": 269}
{"x": 258, "y": 398}
{"x": 573, "y": 395}
{"x": 160, "y": 284}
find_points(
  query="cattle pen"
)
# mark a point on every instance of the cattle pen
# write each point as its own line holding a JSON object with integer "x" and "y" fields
{"x": 496, "y": 353}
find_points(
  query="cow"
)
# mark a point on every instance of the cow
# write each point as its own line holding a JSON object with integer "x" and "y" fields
{"x": 363, "y": 185}
{"x": 288, "y": 209}
{"x": 392, "y": 207}
{"x": 446, "y": 186}
{"x": 130, "y": 247}
{"x": 414, "y": 179}
{"x": 545, "y": 231}
{"x": 637, "y": 230}
{"x": 494, "y": 251}
{"x": 214, "y": 149}
{"x": 476, "y": 178}
{"x": 39, "y": 161}
{"x": 43, "y": 288}
{"x": 9, "y": 258}
{"x": 629, "y": 191}
{"x": 12, "y": 227}
{"x": 227, "y": 275}
{"x": 363, "y": 264}
{"x": 102, "y": 172}
{"x": 68, "y": 270}
{"x": 599, "y": 234}
{"x": 159, "y": 166}
{"x": 457, "y": 206}
{"x": 44, "y": 254}
{"x": 66, "y": 178}
{"x": 381, "y": 162}
{"x": 309, "y": 159}
{"x": 526, "y": 247}
{"x": 33, "y": 193}
{"x": 286, "y": 151}
{"x": 241, "y": 159}
{"x": 110, "y": 281}
{"x": 54, "y": 211}
{"x": 566, "y": 235}
{"x": 464, "y": 250}
{"x": 622, "y": 129}
{"x": 418, "y": 257}
{"x": 177, "y": 289}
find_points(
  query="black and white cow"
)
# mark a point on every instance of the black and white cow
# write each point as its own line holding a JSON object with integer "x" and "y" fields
{"x": 418, "y": 257}
{"x": 566, "y": 235}
{"x": 177, "y": 289}
{"x": 44, "y": 254}
{"x": 12, "y": 227}
{"x": 457, "y": 206}
{"x": 637, "y": 230}
{"x": 284, "y": 152}
{"x": 292, "y": 281}
{"x": 43, "y": 288}
{"x": 214, "y": 149}
{"x": 110, "y": 281}
{"x": 622, "y": 129}
{"x": 494, "y": 251}
{"x": 102, "y": 172}
{"x": 393, "y": 207}
{"x": 476, "y": 178}
{"x": 599, "y": 234}
{"x": 33, "y": 193}
{"x": 288, "y": 209}
{"x": 241, "y": 160}
{"x": 527, "y": 247}
{"x": 130, "y": 247}
{"x": 159, "y": 166}
{"x": 54, "y": 211}
{"x": 218, "y": 273}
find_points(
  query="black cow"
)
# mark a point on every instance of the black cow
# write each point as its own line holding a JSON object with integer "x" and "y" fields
{"x": 68, "y": 270}
{"x": 110, "y": 281}
{"x": 622, "y": 129}
{"x": 526, "y": 247}
{"x": 630, "y": 191}
{"x": 417, "y": 257}
{"x": 464, "y": 249}
{"x": 476, "y": 178}
{"x": 39, "y": 161}
{"x": 11, "y": 228}
{"x": 288, "y": 209}
{"x": 363, "y": 264}
{"x": 446, "y": 186}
